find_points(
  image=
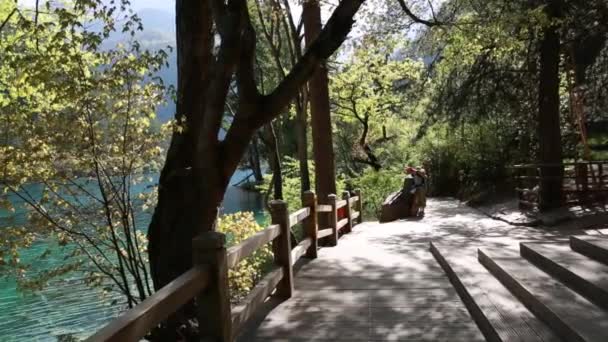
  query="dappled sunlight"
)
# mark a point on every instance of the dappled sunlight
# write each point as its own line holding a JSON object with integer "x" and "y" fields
{"x": 383, "y": 283}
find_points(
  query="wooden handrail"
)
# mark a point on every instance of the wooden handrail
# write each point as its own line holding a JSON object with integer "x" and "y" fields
{"x": 324, "y": 233}
{"x": 323, "y": 208}
{"x": 208, "y": 279}
{"x": 250, "y": 245}
{"x": 242, "y": 312}
{"x": 342, "y": 223}
{"x": 136, "y": 323}
{"x": 582, "y": 182}
{"x": 298, "y": 216}
{"x": 300, "y": 250}
{"x": 537, "y": 165}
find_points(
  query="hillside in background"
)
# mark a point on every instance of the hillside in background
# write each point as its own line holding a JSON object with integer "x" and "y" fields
{"x": 159, "y": 33}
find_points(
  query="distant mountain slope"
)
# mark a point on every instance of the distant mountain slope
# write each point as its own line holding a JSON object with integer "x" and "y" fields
{"x": 159, "y": 32}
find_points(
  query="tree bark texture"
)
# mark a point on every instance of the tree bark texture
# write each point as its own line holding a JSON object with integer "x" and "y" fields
{"x": 549, "y": 130}
{"x": 323, "y": 150}
{"x": 198, "y": 166}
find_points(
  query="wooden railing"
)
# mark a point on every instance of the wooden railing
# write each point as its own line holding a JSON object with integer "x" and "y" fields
{"x": 583, "y": 183}
{"x": 207, "y": 281}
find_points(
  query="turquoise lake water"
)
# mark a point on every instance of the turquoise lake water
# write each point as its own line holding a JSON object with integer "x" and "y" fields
{"x": 68, "y": 307}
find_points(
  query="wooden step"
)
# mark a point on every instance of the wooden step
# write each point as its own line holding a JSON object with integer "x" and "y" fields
{"x": 498, "y": 314}
{"x": 586, "y": 276}
{"x": 593, "y": 247}
{"x": 569, "y": 314}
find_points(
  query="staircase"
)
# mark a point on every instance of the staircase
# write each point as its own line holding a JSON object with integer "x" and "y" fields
{"x": 556, "y": 291}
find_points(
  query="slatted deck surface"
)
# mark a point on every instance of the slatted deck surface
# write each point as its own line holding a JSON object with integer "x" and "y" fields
{"x": 383, "y": 284}
{"x": 370, "y": 290}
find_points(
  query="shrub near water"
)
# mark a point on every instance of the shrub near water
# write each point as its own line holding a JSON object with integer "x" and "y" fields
{"x": 238, "y": 227}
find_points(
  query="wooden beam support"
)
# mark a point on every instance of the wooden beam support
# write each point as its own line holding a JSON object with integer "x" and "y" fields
{"x": 213, "y": 303}
{"x": 359, "y": 205}
{"x": 349, "y": 225}
{"x": 333, "y": 219}
{"x": 310, "y": 224}
{"x": 281, "y": 247}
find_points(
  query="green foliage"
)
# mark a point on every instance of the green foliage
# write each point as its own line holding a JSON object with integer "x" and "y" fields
{"x": 371, "y": 92}
{"x": 247, "y": 273}
{"x": 482, "y": 152}
{"x": 80, "y": 143}
{"x": 375, "y": 186}
{"x": 292, "y": 190}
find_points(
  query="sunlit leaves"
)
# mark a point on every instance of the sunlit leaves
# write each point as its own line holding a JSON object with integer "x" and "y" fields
{"x": 244, "y": 276}
{"x": 79, "y": 140}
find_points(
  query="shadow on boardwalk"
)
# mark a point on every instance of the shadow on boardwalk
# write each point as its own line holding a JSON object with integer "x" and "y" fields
{"x": 382, "y": 284}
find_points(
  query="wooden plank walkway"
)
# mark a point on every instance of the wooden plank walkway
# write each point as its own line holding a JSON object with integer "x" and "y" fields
{"x": 382, "y": 284}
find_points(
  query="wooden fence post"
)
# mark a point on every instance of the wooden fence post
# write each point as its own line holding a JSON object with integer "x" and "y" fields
{"x": 347, "y": 210}
{"x": 359, "y": 206}
{"x": 214, "y": 315}
{"x": 333, "y": 219}
{"x": 310, "y": 225}
{"x": 281, "y": 247}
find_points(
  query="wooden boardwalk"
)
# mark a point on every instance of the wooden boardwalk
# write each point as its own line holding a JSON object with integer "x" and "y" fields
{"x": 382, "y": 283}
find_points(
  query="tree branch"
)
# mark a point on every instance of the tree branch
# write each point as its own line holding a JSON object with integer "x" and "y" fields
{"x": 6, "y": 20}
{"x": 329, "y": 40}
{"x": 416, "y": 18}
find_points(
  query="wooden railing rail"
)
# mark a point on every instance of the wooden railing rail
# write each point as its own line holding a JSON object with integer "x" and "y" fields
{"x": 298, "y": 216}
{"x": 323, "y": 208}
{"x": 249, "y": 246}
{"x": 583, "y": 182}
{"x": 207, "y": 281}
{"x": 134, "y": 324}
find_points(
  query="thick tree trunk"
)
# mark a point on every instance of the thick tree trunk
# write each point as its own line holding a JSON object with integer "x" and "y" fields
{"x": 198, "y": 166}
{"x": 549, "y": 131}
{"x": 183, "y": 205}
{"x": 323, "y": 150}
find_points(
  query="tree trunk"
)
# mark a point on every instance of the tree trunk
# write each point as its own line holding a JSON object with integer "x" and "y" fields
{"x": 549, "y": 131}
{"x": 254, "y": 160}
{"x": 182, "y": 205}
{"x": 323, "y": 150}
{"x": 274, "y": 158}
{"x": 198, "y": 166}
{"x": 301, "y": 123}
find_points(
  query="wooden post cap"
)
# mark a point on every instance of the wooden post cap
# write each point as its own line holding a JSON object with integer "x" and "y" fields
{"x": 278, "y": 204}
{"x": 308, "y": 194}
{"x": 209, "y": 240}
